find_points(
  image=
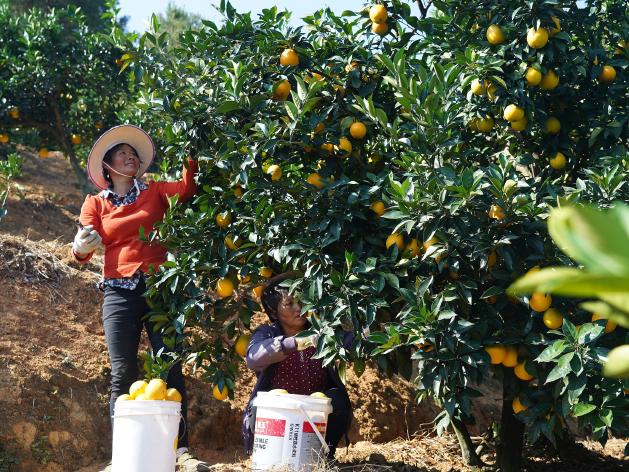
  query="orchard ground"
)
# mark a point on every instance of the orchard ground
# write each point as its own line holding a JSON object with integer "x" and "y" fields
{"x": 55, "y": 370}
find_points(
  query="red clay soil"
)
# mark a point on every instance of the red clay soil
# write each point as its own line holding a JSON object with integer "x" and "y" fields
{"x": 54, "y": 369}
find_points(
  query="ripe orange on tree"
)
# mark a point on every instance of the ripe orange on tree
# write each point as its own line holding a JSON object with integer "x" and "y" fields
{"x": 549, "y": 81}
{"x": 282, "y": 90}
{"x": 553, "y": 125}
{"x": 223, "y": 219}
{"x": 315, "y": 180}
{"x": 4, "y": 138}
{"x": 609, "y": 326}
{"x": 76, "y": 139}
{"x": 344, "y": 147}
{"x": 608, "y": 74}
{"x": 558, "y": 161}
{"x": 540, "y": 301}
{"x": 552, "y": 318}
{"x": 537, "y": 38}
{"x": 495, "y": 35}
{"x": 289, "y": 57}
{"x": 275, "y": 172}
{"x": 521, "y": 372}
{"x": 14, "y": 112}
{"x": 241, "y": 344}
{"x": 224, "y": 288}
{"x": 511, "y": 357}
{"x": 497, "y": 353}
{"x": 219, "y": 394}
{"x": 397, "y": 239}
{"x": 533, "y": 76}
{"x": 379, "y": 28}
{"x": 378, "y": 208}
{"x": 496, "y": 212}
{"x": 378, "y": 14}
{"x": 357, "y": 130}
{"x": 517, "y": 406}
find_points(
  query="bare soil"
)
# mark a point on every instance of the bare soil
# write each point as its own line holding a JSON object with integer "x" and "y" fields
{"x": 54, "y": 368}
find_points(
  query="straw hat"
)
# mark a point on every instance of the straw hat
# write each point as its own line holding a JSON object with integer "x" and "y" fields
{"x": 129, "y": 134}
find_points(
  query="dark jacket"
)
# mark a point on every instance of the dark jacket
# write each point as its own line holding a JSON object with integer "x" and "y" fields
{"x": 266, "y": 349}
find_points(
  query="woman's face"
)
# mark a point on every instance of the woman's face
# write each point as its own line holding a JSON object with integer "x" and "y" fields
{"x": 288, "y": 313}
{"x": 125, "y": 160}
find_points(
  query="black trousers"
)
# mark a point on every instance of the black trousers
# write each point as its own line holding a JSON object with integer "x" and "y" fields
{"x": 123, "y": 313}
{"x": 340, "y": 418}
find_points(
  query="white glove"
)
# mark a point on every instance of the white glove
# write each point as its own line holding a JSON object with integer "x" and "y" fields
{"x": 308, "y": 341}
{"x": 86, "y": 241}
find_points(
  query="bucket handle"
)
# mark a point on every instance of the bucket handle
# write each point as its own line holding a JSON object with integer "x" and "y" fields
{"x": 326, "y": 448}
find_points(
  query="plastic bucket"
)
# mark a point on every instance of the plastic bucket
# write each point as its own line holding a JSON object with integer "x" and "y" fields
{"x": 289, "y": 431}
{"x": 145, "y": 436}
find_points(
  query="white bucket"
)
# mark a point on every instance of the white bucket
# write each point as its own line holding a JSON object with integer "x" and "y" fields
{"x": 145, "y": 436}
{"x": 289, "y": 431}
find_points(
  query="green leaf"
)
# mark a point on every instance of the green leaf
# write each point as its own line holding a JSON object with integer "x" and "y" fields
{"x": 608, "y": 311}
{"x": 569, "y": 282}
{"x": 581, "y": 409}
{"x": 553, "y": 351}
{"x": 227, "y": 106}
{"x": 562, "y": 368}
{"x": 596, "y": 239}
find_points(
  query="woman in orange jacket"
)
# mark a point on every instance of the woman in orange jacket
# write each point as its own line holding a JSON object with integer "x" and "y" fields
{"x": 114, "y": 217}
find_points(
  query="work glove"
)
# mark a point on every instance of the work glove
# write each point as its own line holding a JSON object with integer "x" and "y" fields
{"x": 86, "y": 241}
{"x": 308, "y": 341}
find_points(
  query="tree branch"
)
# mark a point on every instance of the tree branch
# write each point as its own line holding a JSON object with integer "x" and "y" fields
{"x": 423, "y": 10}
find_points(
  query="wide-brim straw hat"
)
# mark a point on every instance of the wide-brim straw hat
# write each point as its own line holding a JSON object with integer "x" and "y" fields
{"x": 128, "y": 134}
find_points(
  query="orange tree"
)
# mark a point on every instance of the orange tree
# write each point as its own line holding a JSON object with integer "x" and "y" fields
{"x": 403, "y": 166}
{"x": 59, "y": 82}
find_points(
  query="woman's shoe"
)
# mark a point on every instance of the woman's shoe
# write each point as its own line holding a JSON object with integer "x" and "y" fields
{"x": 186, "y": 462}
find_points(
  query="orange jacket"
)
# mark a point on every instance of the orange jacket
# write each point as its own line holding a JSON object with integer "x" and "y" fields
{"x": 119, "y": 227}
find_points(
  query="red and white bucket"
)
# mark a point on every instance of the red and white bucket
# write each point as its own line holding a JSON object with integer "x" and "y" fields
{"x": 289, "y": 431}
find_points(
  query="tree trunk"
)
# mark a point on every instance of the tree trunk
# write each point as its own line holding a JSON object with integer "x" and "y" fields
{"x": 81, "y": 176}
{"x": 510, "y": 440}
{"x": 465, "y": 443}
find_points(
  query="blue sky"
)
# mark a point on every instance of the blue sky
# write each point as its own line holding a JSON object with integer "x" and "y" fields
{"x": 139, "y": 12}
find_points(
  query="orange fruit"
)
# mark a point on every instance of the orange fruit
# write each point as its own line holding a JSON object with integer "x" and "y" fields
{"x": 495, "y": 35}
{"x": 223, "y": 219}
{"x": 241, "y": 344}
{"x": 485, "y": 125}
{"x": 608, "y": 74}
{"x": 552, "y": 318}
{"x": 238, "y": 191}
{"x": 266, "y": 272}
{"x": 519, "y": 125}
{"x": 327, "y": 148}
{"x": 224, "y": 287}
{"x": 43, "y": 152}
{"x": 219, "y": 394}
{"x": 123, "y": 397}
{"x": 496, "y": 212}
{"x": 427, "y": 244}
{"x": 553, "y": 125}
{"x": 232, "y": 242}
{"x": 496, "y": 353}
{"x": 155, "y": 390}
{"x": 549, "y": 81}
{"x": 537, "y": 38}
{"x": 533, "y": 76}
{"x": 344, "y": 148}
{"x": 492, "y": 258}
{"x": 513, "y": 113}
{"x": 76, "y": 139}
{"x": 378, "y": 208}
{"x": 517, "y": 405}
{"x": 511, "y": 356}
{"x": 98, "y": 125}
{"x": 289, "y": 57}
{"x": 609, "y": 327}
{"x": 558, "y": 162}
{"x": 521, "y": 373}
{"x": 173, "y": 395}
{"x": 137, "y": 388}
{"x": 379, "y": 28}
{"x": 282, "y": 90}
{"x": 540, "y": 302}
{"x": 275, "y": 172}
{"x": 4, "y": 138}
{"x": 478, "y": 87}
{"x": 397, "y": 239}
{"x": 315, "y": 180}
{"x": 257, "y": 291}
{"x": 413, "y": 248}
{"x": 357, "y": 130}
{"x": 318, "y": 395}
{"x": 557, "y": 28}
{"x": 14, "y": 112}
{"x": 378, "y": 14}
